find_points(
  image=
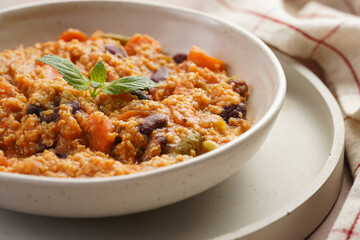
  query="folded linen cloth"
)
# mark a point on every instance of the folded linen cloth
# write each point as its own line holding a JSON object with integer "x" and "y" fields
{"x": 328, "y": 32}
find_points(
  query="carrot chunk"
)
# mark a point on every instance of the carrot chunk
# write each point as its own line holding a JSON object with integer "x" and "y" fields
{"x": 132, "y": 113}
{"x": 101, "y": 132}
{"x": 3, "y": 161}
{"x": 71, "y": 34}
{"x": 137, "y": 40}
{"x": 201, "y": 59}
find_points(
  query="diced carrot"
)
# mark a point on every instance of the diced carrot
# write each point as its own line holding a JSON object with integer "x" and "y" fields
{"x": 3, "y": 161}
{"x": 6, "y": 90}
{"x": 201, "y": 59}
{"x": 138, "y": 40}
{"x": 132, "y": 113}
{"x": 71, "y": 34}
{"x": 101, "y": 130}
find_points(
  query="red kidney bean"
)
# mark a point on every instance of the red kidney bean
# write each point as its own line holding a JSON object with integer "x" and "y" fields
{"x": 160, "y": 75}
{"x": 117, "y": 140}
{"x": 160, "y": 140}
{"x": 33, "y": 109}
{"x": 152, "y": 122}
{"x": 61, "y": 155}
{"x": 180, "y": 57}
{"x": 141, "y": 95}
{"x": 52, "y": 117}
{"x": 238, "y": 86}
{"x": 115, "y": 50}
{"x": 75, "y": 105}
{"x": 57, "y": 102}
{"x": 232, "y": 111}
{"x": 41, "y": 147}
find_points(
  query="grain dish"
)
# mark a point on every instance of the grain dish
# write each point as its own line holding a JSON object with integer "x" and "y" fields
{"x": 49, "y": 128}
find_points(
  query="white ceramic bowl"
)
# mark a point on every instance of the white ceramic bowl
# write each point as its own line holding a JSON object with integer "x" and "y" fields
{"x": 178, "y": 30}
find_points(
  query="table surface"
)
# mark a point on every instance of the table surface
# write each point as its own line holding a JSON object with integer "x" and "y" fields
{"x": 324, "y": 229}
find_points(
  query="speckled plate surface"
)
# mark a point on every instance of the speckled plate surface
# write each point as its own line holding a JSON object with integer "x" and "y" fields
{"x": 284, "y": 192}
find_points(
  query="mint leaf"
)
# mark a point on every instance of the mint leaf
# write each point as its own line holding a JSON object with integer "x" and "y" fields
{"x": 98, "y": 78}
{"x": 98, "y": 73}
{"x": 95, "y": 84}
{"x": 68, "y": 70}
{"x": 128, "y": 84}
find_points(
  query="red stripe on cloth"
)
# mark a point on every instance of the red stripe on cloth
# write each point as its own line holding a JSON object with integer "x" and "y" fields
{"x": 345, "y": 231}
{"x": 332, "y": 31}
{"x": 357, "y": 167}
{"x": 350, "y": 6}
{"x": 259, "y": 23}
{"x": 308, "y": 36}
{"x": 342, "y": 230}
{"x": 350, "y": 233}
{"x": 256, "y": 26}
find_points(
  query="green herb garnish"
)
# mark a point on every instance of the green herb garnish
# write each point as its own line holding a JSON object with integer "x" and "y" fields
{"x": 97, "y": 82}
{"x": 118, "y": 37}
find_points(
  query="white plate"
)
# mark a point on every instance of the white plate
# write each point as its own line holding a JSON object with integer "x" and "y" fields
{"x": 284, "y": 192}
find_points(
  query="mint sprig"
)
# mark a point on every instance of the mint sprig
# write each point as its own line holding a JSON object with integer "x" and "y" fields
{"x": 128, "y": 84}
{"x": 68, "y": 70}
{"x": 97, "y": 82}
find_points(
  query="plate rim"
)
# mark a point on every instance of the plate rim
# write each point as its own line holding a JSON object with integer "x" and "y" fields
{"x": 333, "y": 164}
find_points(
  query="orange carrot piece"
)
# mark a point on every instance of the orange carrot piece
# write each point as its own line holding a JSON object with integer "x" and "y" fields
{"x": 132, "y": 113}
{"x": 138, "y": 40}
{"x": 6, "y": 90}
{"x": 101, "y": 130}
{"x": 3, "y": 161}
{"x": 71, "y": 34}
{"x": 201, "y": 59}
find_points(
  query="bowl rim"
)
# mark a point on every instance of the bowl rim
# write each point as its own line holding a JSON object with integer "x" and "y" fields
{"x": 266, "y": 119}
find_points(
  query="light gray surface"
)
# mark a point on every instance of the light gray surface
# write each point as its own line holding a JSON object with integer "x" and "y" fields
{"x": 293, "y": 158}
